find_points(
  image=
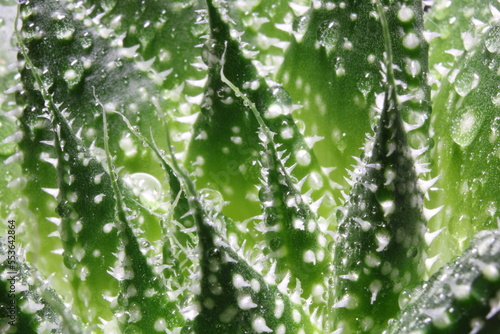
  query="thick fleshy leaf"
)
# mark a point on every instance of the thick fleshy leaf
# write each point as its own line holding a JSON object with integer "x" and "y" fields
{"x": 467, "y": 150}
{"x": 380, "y": 247}
{"x": 452, "y": 30}
{"x": 234, "y": 297}
{"x": 28, "y": 303}
{"x": 84, "y": 57}
{"x": 462, "y": 297}
{"x": 332, "y": 68}
{"x": 226, "y": 145}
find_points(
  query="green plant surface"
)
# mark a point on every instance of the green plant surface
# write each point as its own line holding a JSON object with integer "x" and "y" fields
{"x": 192, "y": 167}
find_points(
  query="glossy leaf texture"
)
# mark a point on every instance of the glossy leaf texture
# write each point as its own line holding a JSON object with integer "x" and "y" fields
{"x": 166, "y": 175}
{"x": 462, "y": 297}
{"x": 332, "y": 68}
{"x": 466, "y": 127}
{"x": 225, "y": 142}
{"x": 37, "y": 308}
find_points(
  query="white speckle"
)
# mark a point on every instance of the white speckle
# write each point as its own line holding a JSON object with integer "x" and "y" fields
{"x": 388, "y": 207}
{"x": 365, "y": 226}
{"x": 77, "y": 226}
{"x": 348, "y": 301}
{"x": 296, "y": 316}
{"x": 311, "y": 226}
{"x": 245, "y": 302}
{"x": 70, "y": 75}
{"x": 367, "y": 324}
{"x": 375, "y": 288}
{"x": 405, "y": 14}
{"x": 298, "y": 224}
{"x": 413, "y": 67}
{"x": 372, "y": 260}
{"x": 383, "y": 238}
{"x": 274, "y": 111}
{"x": 128, "y": 146}
{"x": 160, "y": 325}
{"x": 303, "y": 157}
{"x": 239, "y": 282}
{"x": 494, "y": 305}
{"x": 469, "y": 40}
{"x": 281, "y": 329}
{"x": 347, "y": 45}
{"x": 259, "y": 326}
{"x": 236, "y": 140}
{"x": 315, "y": 180}
{"x": 411, "y": 41}
{"x": 286, "y": 133}
{"x": 279, "y": 308}
{"x": 352, "y": 276}
{"x": 439, "y": 316}
{"x": 98, "y": 198}
{"x": 309, "y": 257}
{"x": 209, "y": 303}
{"x": 255, "y": 285}
{"x": 108, "y": 227}
{"x": 31, "y": 307}
{"x": 228, "y": 315}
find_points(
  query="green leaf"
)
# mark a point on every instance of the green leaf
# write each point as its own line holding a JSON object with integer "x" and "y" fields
{"x": 234, "y": 297}
{"x": 468, "y": 146}
{"x": 226, "y": 145}
{"x": 28, "y": 303}
{"x": 380, "y": 247}
{"x": 462, "y": 297}
{"x": 332, "y": 68}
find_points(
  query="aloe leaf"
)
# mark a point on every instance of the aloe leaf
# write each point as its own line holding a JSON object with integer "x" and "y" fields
{"x": 452, "y": 26}
{"x": 28, "y": 303}
{"x": 265, "y": 28}
{"x": 166, "y": 51}
{"x": 143, "y": 303}
{"x": 88, "y": 228}
{"x": 462, "y": 297}
{"x": 234, "y": 297}
{"x": 290, "y": 224}
{"x": 225, "y": 121}
{"x": 83, "y": 57}
{"x": 467, "y": 154}
{"x": 332, "y": 68}
{"x": 380, "y": 247}
{"x": 12, "y": 182}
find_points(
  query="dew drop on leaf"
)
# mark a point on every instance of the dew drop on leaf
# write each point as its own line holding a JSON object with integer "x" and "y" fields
{"x": 465, "y": 127}
{"x": 492, "y": 42}
{"x": 147, "y": 187}
{"x": 466, "y": 81}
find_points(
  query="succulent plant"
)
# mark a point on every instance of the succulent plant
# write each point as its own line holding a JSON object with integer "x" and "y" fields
{"x": 303, "y": 167}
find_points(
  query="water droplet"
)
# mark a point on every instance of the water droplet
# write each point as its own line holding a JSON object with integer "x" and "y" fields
{"x": 147, "y": 187}
{"x": 329, "y": 35}
{"x": 465, "y": 127}
{"x": 492, "y": 41}
{"x": 69, "y": 260}
{"x": 466, "y": 81}
{"x": 65, "y": 32}
{"x": 300, "y": 27}
{"x": 213, "y": 198}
